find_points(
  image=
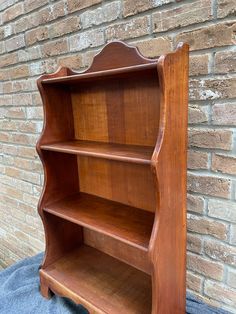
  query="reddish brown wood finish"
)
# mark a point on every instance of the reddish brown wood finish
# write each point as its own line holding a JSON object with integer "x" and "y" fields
{"x": 113, "y": 205}
{"x": 169, "y": 164}
{"x": 127, "y": 224}
{"x": 128, "y": 153}
{"x": 103, "y": 283}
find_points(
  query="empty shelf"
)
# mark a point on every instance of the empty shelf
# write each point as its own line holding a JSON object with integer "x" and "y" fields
{"x": 129, "y": 153}
{"x": 100, "y": 282}
{"x": 125, "y": 223}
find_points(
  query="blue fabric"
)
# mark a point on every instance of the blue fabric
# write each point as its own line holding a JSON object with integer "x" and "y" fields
{"x": 19, "y": 294}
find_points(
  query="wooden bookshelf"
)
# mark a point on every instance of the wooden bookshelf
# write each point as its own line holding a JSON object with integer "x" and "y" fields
{"x": 113, "y": 148}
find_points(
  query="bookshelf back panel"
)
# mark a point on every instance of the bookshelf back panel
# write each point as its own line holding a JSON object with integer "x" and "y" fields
{"x": 118, "y": 110}
{"x": 127, "y": 183}
{"x": 122, "y": 251}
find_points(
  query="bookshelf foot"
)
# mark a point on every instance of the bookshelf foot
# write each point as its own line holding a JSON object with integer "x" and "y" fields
{"x": 44, "y": 289}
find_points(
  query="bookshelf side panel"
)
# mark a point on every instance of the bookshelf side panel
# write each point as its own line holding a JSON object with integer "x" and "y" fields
{"x": 167, "y": 248}
{"x": 60, "y": 170}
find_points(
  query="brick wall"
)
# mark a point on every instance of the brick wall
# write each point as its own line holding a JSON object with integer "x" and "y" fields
{"x": 38, "y": 35}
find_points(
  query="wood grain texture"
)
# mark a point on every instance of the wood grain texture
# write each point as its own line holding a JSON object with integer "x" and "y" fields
{"x": 101, "y": 280}
{"x": 117, "y": 110}
{"x": 120, "y": 250}
{"x": 169, "y": 163}
{"x": 127, "y": 183}
{"x": 127, "y": 224}
{"x": 117, "y": 132}
{"x": 89, "y": 76}
{"x": 121, "y": 152}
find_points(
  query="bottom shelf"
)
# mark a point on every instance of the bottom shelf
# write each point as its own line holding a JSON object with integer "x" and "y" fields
{"x": 100, "y": 282}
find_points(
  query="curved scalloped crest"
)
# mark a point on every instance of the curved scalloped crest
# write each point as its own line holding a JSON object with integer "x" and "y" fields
{"x": 117, "y": 54}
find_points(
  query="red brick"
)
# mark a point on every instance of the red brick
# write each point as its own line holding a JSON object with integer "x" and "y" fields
{"x": 205, "y": 267}
{"x": 15, "y": 112}
{"x": 197, "y": 114}
{"x": 224, "y": 164}
{"x": 226, "y": 8}
{"x": 194, "y": 243}
{"x": 4, "y": 137}
{"x": 208, "y": 37}
{"x": 198, "y": 64}
{"x": 224, "y": 114}
{"x": 9, "y": 149}
{"x": 27, "y": 152}
{"x": 208, "y": 185}
{"x": 30, "y": 54}
{"x": 41, "y": 17}
{"x": 216, "y": 88}
{"x": 194, "y": 282}
{"x": 37, "y": 101}
{"x": 5, "y": 100}
{"x": 33, "y": 4}
{"x": 13, "y": 12}
{"x": 204, "y": 225}
{"x": 30, "y": 127}
{"x": 58, "y": 9}
{"x": 22, "y": 85}
{"x": 15, "y": 43}
{"x": 35, "y": 35}
{"x": 210, "y": 138}
{"x": 8, "y": 59}
{"x": 225, "y": 61}
{"x": 220, "y": 252}
{"x": 65, "y": 26}
{"x": 139, "y": 26}
{"x": 197, "y": 160}
{"x": 18, "y": 71}
{"x": 195, "y": 203}
{"x": 56, "y": 47}
{"x": 22, "y": 24}
{"x": 137, "y": 6}
{"x": 22, "y": 99}
{"x": 220, "y": 292}
{"x": 183, "y": 15}
{"x": 74, "y": 62}
{"x": 7, "y": 87}
{"x": 74, "y": 5}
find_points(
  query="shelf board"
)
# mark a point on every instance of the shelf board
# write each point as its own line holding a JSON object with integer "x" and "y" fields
{"x": 100, "y": 282}
{"x": 128, "y": 153}
{"x": 125, "y": 223}
{"x": 99, "y": 74}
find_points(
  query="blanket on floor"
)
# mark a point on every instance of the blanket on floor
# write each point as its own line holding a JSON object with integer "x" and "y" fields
{"x": 19, "y": 294}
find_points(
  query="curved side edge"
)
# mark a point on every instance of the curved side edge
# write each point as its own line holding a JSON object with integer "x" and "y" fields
{"x": 167, "y": 248}
{"x": 62, "y": 71}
